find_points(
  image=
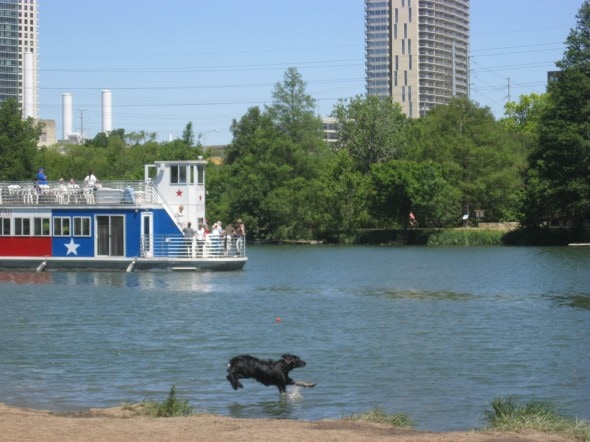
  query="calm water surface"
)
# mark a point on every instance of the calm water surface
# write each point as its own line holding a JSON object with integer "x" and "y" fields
{"x": 436, "y": 333}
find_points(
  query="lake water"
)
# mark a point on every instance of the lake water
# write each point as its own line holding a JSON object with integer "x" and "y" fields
{"x": 436, "y": 333}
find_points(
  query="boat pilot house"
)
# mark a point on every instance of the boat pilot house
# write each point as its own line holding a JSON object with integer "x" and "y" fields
{"x": 117, "y": 225}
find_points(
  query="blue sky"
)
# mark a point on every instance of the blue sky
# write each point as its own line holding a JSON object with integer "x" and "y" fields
{"x": 207, "y": 61}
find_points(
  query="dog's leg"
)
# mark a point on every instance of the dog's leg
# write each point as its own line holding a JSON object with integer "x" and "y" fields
{"x": 233, "y": 380}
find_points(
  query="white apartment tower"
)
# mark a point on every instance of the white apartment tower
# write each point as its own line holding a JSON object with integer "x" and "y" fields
{"x": 417, "y": 52}
{"x": 19, "y": 29}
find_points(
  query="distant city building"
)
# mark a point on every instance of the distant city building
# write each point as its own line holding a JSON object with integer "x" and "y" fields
{"x": 19, "y": 54}
{"x": 48, "y": 136}
{"x": 417, "y": 51}
{"x": 331, "y": 131}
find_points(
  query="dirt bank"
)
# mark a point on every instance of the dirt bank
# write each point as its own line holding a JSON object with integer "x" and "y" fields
{"x": 117, "y": 424}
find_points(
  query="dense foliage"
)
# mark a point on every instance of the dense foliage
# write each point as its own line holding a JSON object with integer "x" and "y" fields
{"x": 559, "y": 177}
{"x": 18, "y": 142}
{"x": 287, "y": 183}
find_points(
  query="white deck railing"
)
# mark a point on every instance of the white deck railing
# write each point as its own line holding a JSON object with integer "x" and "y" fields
{"x": 177, "y": 246}
{"x": 110, "y": 192}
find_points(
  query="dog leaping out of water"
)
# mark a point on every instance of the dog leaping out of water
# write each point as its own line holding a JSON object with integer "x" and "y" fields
{"x": 267, "y": 372}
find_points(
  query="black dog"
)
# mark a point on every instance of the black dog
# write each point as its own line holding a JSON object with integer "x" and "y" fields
{"x": 267, "y": 372}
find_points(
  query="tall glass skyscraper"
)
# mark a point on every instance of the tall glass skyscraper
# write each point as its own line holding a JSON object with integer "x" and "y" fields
{"x": 19, "y": 53}
{"x": 417, "y": 51}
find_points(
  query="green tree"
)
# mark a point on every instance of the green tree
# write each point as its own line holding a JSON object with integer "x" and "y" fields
{"x": 343, "y": 199}
{"x": 372, "y": 129}
{"x": 478, "y": 156}
{"x": 559, "y": 179}
{"x": 272, "y": 166}
{"x": 293, "y": 109}
{"x": 18, "y": 143}
{"x": 188, "y": 135}
{"x": 269, "y": 179}
{"x": 524, "y": 115}
{"x": 403, "y": 186}
{"x": 250, "y": 173}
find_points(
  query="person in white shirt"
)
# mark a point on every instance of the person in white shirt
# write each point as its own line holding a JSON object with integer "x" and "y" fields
{"x": 216, "y": 238}
{"x": 90, "y": 180}
{"x": 200, "y": 239}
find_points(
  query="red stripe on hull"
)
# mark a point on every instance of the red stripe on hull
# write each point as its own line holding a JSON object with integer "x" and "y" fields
{"x": 25, "y": 246}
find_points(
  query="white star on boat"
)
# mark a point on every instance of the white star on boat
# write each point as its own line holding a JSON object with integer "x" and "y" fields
{"x": 72, "y": 247}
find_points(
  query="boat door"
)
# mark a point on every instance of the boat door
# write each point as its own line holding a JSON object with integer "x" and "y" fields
{"x": 147, "y": 237}
{"x": 110, "y": 235}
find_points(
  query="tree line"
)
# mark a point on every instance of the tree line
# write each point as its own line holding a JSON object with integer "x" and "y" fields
{"x": 286, "y": 181}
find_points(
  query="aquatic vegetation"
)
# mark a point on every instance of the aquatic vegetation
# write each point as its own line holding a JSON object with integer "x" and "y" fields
{"x": 378, "y": 415}
{"x": 466, "y": 237}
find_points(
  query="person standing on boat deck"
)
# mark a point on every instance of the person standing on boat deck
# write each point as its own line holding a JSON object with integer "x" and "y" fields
{"x": 90, "y": 180}
{"x": 241, "y": 235}
{"x": 221, "y": 237}
{"x": 180, "y": 215}
{"x": 41, "y": 177}
{"x": 189, "y": 233}
{"x": 62, "y": 191}
{"x": 216, "y": 239}
{"x": 229, "y": 236}
{"x": 200, "y": 239}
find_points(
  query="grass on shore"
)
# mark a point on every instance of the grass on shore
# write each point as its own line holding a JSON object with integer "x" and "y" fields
{"x": 506, "y": 414}
{"x": 169, "y": 407}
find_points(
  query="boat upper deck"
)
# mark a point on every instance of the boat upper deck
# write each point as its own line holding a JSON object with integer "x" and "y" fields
{"x": 138, "y": 193}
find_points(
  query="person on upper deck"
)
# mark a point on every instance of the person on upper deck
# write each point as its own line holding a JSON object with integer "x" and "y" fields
{"x": 61, "y": 185}
{"x": 41, "y": 177}
{"x": 90, "y": 180}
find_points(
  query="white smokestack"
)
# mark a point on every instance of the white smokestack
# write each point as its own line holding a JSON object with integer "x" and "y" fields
{"x": 66, "y": 115}
{"x": 107, "y": 112}
{"x": 28, "y": 104}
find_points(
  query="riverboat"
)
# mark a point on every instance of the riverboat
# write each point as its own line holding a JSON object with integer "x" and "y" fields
{"x": 116, "y": 225}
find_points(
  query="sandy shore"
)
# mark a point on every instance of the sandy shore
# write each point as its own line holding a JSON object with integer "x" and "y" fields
{"x": 116, "y": 424}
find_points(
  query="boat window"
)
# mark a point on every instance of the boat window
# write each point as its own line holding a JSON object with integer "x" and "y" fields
{"x": 4, "y": 226}
{"x": 41, "y": 227}
{"x": 200, "y": 174}
{"x": 22, "y": 226}
{"x": 61, "y": 226}
{"x": 81, "y": 226}
{"x": 177, "y": 174}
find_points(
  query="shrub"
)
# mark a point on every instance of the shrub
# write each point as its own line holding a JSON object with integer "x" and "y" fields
{"x": 466, "y": 237}
{"x": 170, "y": 407}
{"x": 506, "y": 414}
